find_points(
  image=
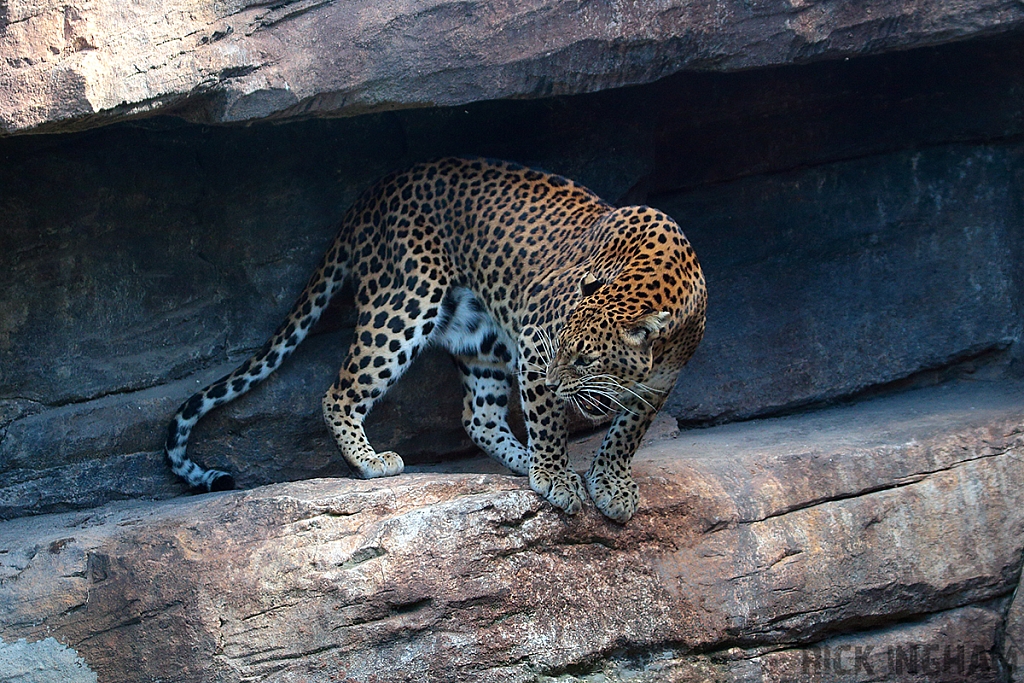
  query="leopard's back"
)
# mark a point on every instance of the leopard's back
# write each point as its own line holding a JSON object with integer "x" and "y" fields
{"x": 491, "y": 226}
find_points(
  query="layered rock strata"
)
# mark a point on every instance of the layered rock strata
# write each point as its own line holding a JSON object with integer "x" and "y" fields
{"x": 884, "y": 534}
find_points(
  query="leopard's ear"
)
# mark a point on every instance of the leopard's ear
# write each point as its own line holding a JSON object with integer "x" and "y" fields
{"x": 590, "y": 284}
{"x": 640, "y": 331}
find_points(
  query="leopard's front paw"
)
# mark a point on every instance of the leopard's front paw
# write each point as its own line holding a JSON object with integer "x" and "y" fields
{"x": 384, "y": 464}
{"x": 562, "y": 489}
{"x": 615, "y": 496}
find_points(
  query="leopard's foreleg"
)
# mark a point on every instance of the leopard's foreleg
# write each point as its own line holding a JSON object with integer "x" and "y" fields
{"x": 550, "y": 473}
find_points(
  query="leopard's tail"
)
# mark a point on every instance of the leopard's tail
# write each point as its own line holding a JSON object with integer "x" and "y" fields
{"x": 326, "y": 280}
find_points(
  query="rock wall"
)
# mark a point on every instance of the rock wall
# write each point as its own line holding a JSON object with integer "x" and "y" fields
{"x": 854, "y": 291}
{"x": 830, "y": 204}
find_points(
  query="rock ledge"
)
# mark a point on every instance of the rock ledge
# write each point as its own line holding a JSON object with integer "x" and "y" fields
{"x": 756, "y": 544}
{"x": 80, "y": 64}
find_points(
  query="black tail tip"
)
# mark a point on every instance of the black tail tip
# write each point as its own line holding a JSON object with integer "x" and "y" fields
{"x": 224, "y": 482}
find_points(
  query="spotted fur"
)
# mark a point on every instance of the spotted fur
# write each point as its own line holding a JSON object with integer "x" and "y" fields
{"x": 520, "y": 275}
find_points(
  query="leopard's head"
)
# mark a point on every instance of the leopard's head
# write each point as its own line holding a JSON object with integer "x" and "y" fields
{"x": 603, "y": 354}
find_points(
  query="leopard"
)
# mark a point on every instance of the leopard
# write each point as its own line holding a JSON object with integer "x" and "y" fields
{"x": 533, "y": 284}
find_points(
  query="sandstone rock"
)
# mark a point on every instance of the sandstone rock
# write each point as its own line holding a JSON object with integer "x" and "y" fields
{"x": 78, "y": 65}
{"x": 1012, "y": 647}
{"x": 958, "y": 645}
{"x": 752, "y": 539}
{"x": 44, "y": 661}
{"x": 955, "y": 645}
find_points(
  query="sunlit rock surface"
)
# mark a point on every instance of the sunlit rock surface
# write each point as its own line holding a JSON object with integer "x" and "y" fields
{"x": 80, "y": 64}
{"x": 897, "y": 522}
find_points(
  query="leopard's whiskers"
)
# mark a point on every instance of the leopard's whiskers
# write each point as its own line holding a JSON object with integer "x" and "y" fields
{"x": 608, "y": 394}
{"x": 610, "y": 382}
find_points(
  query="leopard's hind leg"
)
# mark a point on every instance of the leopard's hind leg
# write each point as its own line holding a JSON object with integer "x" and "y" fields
{"x": 389, "y": 335}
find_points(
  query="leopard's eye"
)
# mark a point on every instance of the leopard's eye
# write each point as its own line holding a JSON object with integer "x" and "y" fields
{"x": 585, "y": 361}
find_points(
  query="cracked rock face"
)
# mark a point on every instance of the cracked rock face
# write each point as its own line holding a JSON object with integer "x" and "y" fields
{"x": 755, "y": 545}
{"x": 78, "y": 64}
